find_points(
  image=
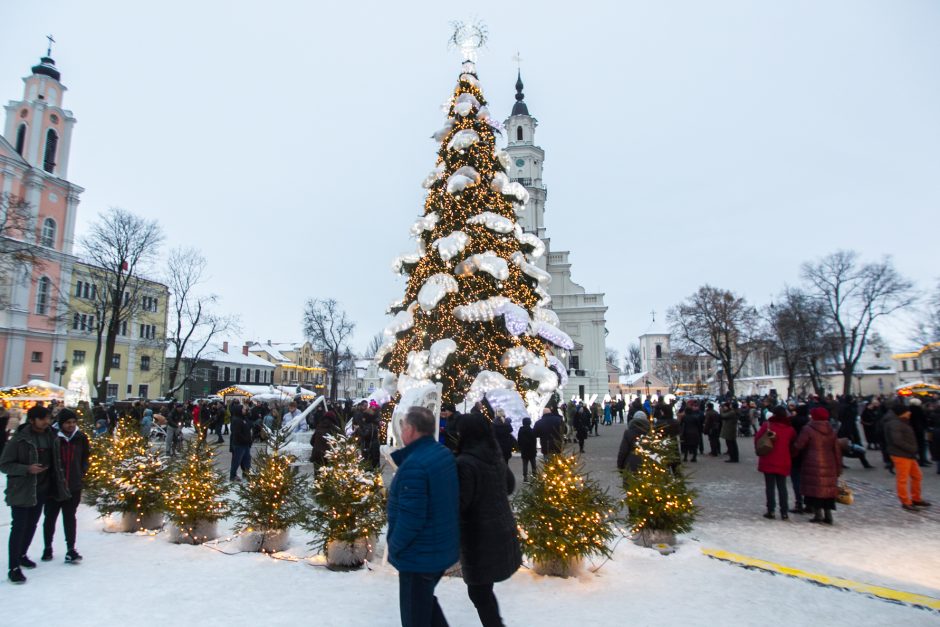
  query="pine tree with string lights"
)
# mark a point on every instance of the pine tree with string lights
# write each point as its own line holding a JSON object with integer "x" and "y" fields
{"x": 564, "y": 516}
{"x": 659, "y": 501}
{"x": 349, "y": 504}
{"x": 475, "y": 313}
{"x": 195, "y": 494}
{"x": 126, "y": 477}
{"x": 273, "y": 498}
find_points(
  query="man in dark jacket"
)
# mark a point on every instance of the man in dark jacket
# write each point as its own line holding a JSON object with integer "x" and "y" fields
{"x": 527, "y": 447}
{"x": 74, "y": 452}
{"x": 240, "y": 442}
{"x": 550, "y": 430}
{"x": 901, "y": 444}
{"x": 33, "y": 466}
{"x": 918, "y": 422}
{"x": 423, "y": 518}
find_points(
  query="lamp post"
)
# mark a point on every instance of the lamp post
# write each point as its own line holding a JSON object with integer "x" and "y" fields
{"x": 59, "y": 368}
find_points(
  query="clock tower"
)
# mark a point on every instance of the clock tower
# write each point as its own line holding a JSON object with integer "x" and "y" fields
{"x": 527, "y": 159}
{"x": 581, "y": 314}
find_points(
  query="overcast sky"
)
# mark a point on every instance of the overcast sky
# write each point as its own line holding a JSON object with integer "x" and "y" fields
{"x": 686, "y": 141}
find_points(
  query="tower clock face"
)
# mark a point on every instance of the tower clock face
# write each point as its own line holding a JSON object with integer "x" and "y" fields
{"x": 520, "y": 163}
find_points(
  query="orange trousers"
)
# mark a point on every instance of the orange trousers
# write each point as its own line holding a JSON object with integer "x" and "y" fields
{"x": 907, "y": 469}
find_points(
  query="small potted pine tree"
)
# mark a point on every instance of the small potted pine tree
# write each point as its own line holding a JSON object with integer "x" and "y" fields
{"x": 564, "y": 517}
{"x": 348, "y": 508}
{"x": 195, "y": 495}
{"x": 272, "y": 500}
{"x": 659, "y": 501}
{"x": 126, "y": 478}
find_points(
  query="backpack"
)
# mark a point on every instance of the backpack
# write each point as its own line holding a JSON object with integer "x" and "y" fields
{"x": 765, "y": 443}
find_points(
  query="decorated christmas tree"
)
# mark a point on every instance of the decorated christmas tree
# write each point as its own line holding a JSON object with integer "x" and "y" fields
{"x": 272, "y": 500}
{"x": 564, "y": 516}
{"x": 349, "y": 509}
{"x": 125, "y": 477}
{"x": 475, "y": 313}
{"x": 659, "y": 501}
{"x": 195, "y": 494}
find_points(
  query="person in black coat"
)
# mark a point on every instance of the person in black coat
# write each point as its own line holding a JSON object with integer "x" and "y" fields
{"x": 74, "y": 451}
{"x": 690, "y": 430}
{"x": 489, "y": 543}
{"x": 550, "y": 430}
{"x": 582, "y": 426}
{"x": 240, "y": 442}
{"x": 502, "y": 428}
{"x": 527, "y": 447}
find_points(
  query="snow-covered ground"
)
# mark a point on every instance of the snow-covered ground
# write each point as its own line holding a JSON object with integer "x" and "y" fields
{"x": 139, "y": 579}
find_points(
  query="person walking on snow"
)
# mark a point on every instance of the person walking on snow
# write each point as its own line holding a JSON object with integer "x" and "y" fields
{"x": 74, "y": 451}
{"x": 901, "y": 444}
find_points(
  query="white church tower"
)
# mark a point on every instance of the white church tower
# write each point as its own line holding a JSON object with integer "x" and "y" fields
{"x": 581, "y": 314}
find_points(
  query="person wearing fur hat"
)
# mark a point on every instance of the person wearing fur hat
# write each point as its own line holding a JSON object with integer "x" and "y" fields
{"x": 821, "y": 465}
{"x": 74, "y": 451}
{"x": 777, "y": 463}
{"x": 901, "y": 444}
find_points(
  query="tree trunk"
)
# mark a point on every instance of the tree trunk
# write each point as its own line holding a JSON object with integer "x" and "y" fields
{"x": 847, "y": 373}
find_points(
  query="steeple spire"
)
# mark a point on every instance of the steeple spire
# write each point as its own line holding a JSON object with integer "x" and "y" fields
{"x": 520, "y": 107}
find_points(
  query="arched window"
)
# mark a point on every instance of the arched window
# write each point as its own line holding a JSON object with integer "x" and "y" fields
{"x": 21, "y": 138}
{"x": 52, "y": 142}
{"x": 519, "y": 133}
{"x": 42, "y": 295}
{"x": 47, "y": 238}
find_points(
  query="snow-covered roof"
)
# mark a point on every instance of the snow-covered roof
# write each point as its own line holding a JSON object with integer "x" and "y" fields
{"x": 275, "y": 354}
{"x": 234, "y": 355}
{"x": 632, "y": 379}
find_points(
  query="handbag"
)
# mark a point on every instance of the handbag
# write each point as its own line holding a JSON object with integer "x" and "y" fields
{"x": 845, "y": 496}
{"x": 765, "y": 443}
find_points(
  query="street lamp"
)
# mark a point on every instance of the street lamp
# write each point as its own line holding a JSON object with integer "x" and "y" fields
{"x": 60, "y": 368}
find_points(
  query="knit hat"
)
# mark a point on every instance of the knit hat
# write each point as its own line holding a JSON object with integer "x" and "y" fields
{"x": 819, "y": 413}
{"x": 639, "y": 414}
{"x": 65, "y": 414}
{"x": 780, "y": 414}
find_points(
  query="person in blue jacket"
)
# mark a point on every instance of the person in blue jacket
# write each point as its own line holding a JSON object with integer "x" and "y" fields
{"x": 423, "y": 519}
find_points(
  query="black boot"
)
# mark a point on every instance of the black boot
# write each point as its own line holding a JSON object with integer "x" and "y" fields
{"x": 828, "y": 517}
{"x": 817, "y": 515}
{"x": 770, "y": 514}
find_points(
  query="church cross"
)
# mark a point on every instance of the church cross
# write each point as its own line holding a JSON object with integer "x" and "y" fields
{"x": 49, "y": 49}
{"x": 518, "y": 59}
{"x": 653, "y": 313}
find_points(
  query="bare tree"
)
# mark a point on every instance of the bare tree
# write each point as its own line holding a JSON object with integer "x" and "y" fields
{"x": 718, "y": 323}
{"x": 374, "y": 344}
{"x": 613, "y": 357}
{"x": 192, "y": 322}
{"x": 18, "y": 247}
{"x": 121, "y": 246}
{"x": 798, "y": 330}
{"x": 927, "y": 328}
{"x": 854, "y": 295}
{"x": 328, "y": 329}
{"x": 634, "y": 362}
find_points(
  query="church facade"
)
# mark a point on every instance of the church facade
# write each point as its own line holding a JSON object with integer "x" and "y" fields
{"x": 582, "y": 314}
{"x": 39, "y": 207}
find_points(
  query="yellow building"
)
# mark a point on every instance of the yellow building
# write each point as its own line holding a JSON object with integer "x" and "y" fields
{"x": 137, "y": 364}
{"x": 295, "y": 364}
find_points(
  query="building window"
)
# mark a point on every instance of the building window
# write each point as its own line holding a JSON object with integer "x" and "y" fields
{"x": 42, "y": 295}
{"x": 227, "y": 372}
{"x": 116, "y": 360}
{"x": 112, "y": 390}
{"x": 574, "y": 363}
{"x": 238, "y": 375}
{"x": 145, "y": 363}
{"x": 21, "y": 138}
{"x": 284, "y": 376}
{"x": 904, "y": 365}
{"x": 247, "y": 375}
{"x": 143, "y": 391}
{"x": 519, "y": 133}
{"x": 916, "y": 364}
{"x": 257, "y": 375}
{"x": 52, "y": 142}
{"x": 78, "y": 358}
{"x": 76, "y": 320}
{"x": 36, "y": 357}
{"x": 124, "y": 328}
{"x": 48, "y": 233}
{"x": 659, "y": 351}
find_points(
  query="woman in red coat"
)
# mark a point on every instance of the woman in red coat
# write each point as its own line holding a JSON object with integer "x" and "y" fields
{"x": 776, "y": 464}
{"x": 821, "y": 465}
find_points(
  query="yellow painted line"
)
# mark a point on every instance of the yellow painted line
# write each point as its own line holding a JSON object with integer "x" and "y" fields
{"x": 897, "y": 596}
